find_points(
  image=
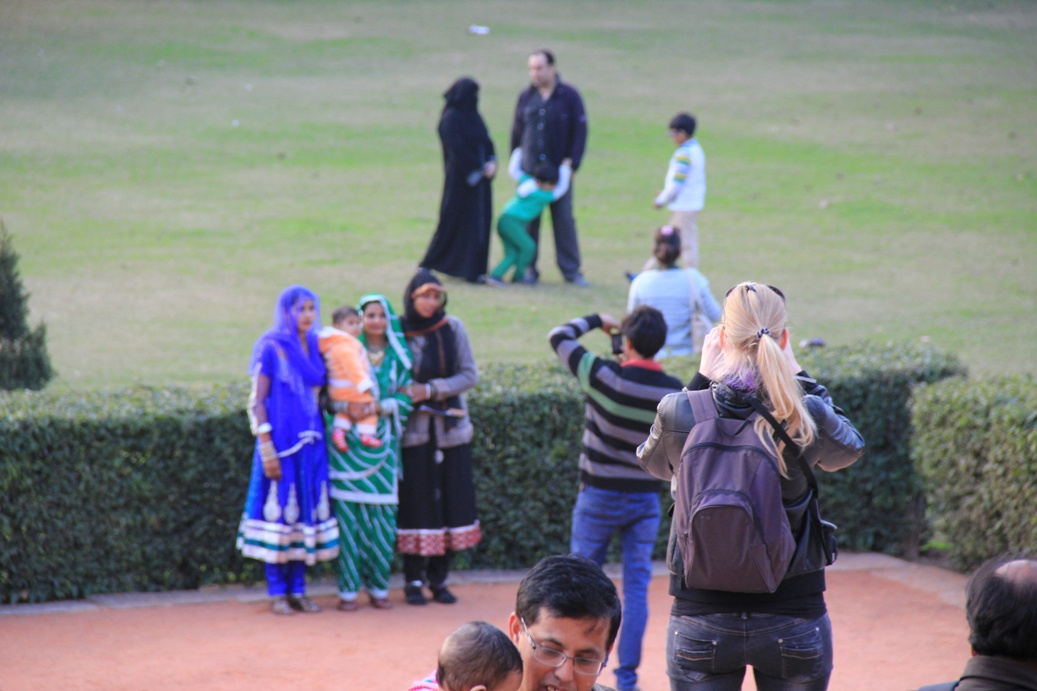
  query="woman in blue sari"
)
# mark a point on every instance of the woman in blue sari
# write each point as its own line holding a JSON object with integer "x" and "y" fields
{"x": 288, "y": 522}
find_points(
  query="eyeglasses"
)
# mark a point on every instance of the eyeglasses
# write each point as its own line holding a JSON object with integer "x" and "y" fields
{"x": 751, "y": 287}
{"x": 588, "y": 666}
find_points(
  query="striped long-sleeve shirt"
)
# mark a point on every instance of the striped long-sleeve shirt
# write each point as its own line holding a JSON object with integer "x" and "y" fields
{"x": 621, "y": 401}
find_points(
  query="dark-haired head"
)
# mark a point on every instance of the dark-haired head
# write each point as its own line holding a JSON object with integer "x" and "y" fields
{"x": 546, "y": 172}
{"x": 569, "y": 587}
{"x": 477, "y": 654}
{"x": 683, "y": 122}
{"x": 667, "y": 246}
{"x": 1001, "y": 606}
{"x": 646, "y": 329}
{"x": 549, "y": 57}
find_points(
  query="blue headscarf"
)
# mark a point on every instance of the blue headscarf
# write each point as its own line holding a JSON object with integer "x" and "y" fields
{"x": 285, "y": 334}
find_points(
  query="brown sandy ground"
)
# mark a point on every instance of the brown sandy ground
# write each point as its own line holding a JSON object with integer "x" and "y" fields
{"x": 897, "y": 626}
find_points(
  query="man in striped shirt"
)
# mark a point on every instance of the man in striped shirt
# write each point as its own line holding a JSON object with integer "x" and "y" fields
{"x": 616, "y": 496}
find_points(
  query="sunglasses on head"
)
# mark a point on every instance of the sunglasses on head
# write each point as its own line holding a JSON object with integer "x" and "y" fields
{"x": 751, "y": 287}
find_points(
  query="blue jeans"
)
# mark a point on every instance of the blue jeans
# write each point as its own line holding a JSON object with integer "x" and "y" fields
{"x": 598, "y": 514}
{"x": 709, "y": 653}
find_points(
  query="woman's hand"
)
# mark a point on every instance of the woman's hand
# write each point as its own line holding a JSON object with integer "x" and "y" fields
{"x": 712, "y": 362}
{"x": 489, "y": 169}
{"x": 358, "y": 411}
{"x": 419, "y": 392}
{"x": 789, "y": 355}
{"x": 271, "y": 462}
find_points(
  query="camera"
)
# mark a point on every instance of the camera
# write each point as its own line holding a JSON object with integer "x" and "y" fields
{"x": 617, "y": 341}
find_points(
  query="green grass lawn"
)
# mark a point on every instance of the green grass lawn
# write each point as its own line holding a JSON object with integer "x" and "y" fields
{"x": 167, "y": 167}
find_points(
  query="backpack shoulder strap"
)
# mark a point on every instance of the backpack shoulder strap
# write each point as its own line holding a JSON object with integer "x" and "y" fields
{"x": 792, "y": 449}
{"x": 702, "y": 406}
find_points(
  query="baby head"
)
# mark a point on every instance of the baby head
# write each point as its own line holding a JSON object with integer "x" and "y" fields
{"x": 479, "y": 657}
{"x": 346, "y": 319}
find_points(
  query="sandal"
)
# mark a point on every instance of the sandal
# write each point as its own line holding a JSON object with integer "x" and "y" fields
{"x": 302, "y": 604}
{"x": 347, "y": 605}
{"x": 279, "y": 605}
{"x": 380, "y": 602}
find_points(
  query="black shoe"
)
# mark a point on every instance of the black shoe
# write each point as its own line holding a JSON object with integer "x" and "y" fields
{"x": 414, "y": 595}
{"x": 630, "y": 275}
{"x": 442, "y": 595}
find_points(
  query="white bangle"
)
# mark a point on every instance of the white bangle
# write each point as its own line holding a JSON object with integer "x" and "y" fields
{"x": 264, "y": 428}
{"x": 428, "y": 391}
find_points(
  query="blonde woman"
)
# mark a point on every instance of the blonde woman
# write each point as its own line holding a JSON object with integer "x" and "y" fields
{"x": 786, "y": 635}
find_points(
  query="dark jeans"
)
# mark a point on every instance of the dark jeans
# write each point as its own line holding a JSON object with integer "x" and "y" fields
{"x": 710, "y": 652}
{"x": 567, "y": 247}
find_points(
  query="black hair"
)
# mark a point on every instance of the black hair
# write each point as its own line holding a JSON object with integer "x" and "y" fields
{"x": 1002, "y": 612}
{"x": 683, "y": 122}
{"x": 569, "y": 587}
{"x": 548, "y": 55}
{"x": 646, "y": 329}
{"x": 343, "y": 312}
{"x": 667, "y": 245}
{"x": 476, "y": 653}
{"x": 545, "y": 171}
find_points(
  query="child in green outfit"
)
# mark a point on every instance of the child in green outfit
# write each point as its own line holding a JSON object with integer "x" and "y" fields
{"x": 534, "y": 192}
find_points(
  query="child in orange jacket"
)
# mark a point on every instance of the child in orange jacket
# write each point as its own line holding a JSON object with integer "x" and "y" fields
{"x": 349, "y": 376}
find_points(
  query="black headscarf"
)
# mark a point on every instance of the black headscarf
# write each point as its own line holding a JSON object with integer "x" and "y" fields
{"x": 438, "y": 355}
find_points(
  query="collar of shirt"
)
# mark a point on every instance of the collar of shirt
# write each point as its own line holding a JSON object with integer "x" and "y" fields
{"x": 645, "y": 364}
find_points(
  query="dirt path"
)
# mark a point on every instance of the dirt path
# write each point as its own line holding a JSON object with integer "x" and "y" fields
{"x": 897, "y": 626}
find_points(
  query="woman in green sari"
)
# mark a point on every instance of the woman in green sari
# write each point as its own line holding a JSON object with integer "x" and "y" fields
{"x": 363, "y": 479}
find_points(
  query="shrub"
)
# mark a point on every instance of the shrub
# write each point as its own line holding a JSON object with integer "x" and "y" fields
{"x": 24, "y": 362}
{"x": 143, "y": 489}
{"x": 975, "y": 447}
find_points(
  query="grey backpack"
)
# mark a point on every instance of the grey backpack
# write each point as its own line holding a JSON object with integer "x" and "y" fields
{"x": 731, "y": 527}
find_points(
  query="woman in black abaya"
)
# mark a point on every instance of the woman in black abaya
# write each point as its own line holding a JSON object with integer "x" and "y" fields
{"x": 461, "y": 245}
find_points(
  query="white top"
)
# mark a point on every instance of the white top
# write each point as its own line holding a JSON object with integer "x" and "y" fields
{"x": 685, "y": 186}
{"x": 668, "y": 290}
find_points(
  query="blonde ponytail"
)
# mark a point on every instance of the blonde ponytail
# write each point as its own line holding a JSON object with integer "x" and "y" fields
{"x": 754, "y": 325}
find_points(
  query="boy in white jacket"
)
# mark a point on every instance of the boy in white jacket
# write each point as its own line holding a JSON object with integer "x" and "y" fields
{"x": 684, "y": 191}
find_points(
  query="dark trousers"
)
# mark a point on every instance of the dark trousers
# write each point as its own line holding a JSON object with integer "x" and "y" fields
{"x": 418, "y": 568}
{"x": 567, "y": 247}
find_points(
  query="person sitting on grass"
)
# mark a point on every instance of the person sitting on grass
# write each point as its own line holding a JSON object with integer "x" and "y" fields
{"x": 547, "y": 184}
{"x": 476, "y": 657}
{"x": 349, "y": 376}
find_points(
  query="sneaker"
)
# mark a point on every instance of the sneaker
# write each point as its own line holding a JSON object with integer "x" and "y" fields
{"x": 630, "y": 275}
{"x": 578, "y": 280}
{"x": 525, "y": 281}
{"x": 442, "y": 595}
{"x": 495, "y": 282}
{"x": 414, "y": 595}
{"x": 368, "y": 440}
{"x": 338, "y": 438}
{"x": 531, "y": 277}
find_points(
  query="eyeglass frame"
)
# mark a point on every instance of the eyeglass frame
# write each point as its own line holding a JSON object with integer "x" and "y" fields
{"x": 564, "y": 656}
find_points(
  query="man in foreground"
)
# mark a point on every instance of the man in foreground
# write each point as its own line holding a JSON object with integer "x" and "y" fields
{"x": 1001, "y": 605}
{"x": 566, "y": 617}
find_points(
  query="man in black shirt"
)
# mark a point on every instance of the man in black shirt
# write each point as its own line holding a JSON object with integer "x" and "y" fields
{"x": 550, "y": 125}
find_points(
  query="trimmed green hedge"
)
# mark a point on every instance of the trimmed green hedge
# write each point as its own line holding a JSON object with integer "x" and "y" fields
{"x": 975, "y": 447}
{"x": 143, "y": 489}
